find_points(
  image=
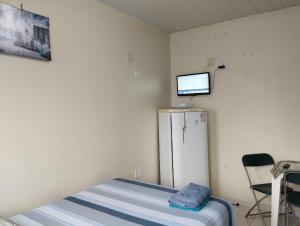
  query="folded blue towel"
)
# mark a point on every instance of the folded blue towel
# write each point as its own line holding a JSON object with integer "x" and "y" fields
{"x": 191, "y": 196}
{"x": 197, "y": 209}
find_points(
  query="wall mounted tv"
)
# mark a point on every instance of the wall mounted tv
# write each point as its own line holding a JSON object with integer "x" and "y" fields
{"x": 193, "y": 84}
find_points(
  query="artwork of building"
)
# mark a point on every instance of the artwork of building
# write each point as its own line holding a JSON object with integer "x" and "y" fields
{"x": 23, "y": 33}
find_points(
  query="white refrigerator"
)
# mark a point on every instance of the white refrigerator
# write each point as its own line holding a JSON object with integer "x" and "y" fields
{"x": 183, "y": 148}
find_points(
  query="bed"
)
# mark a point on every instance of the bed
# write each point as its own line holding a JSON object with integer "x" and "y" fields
{"x": 125, "y": 202}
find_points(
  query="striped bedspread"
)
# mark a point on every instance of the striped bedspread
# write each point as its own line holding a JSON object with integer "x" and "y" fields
{"x": 125, "y": 202}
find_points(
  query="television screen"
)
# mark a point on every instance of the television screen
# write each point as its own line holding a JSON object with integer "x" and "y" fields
{"x": 193, "y": 84}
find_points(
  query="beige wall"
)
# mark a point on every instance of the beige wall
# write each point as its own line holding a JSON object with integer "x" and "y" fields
{"x": 255, "y": 105}
{"x": 82, "y": 118}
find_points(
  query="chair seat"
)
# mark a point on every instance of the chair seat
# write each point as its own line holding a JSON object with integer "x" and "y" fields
{"x": 293, "y": 198}
{"x": 267, "y": 188}
{"x": 263, "y": 188}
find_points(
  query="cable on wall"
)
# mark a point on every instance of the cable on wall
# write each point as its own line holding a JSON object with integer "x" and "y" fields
{"x": 221, "y": 67}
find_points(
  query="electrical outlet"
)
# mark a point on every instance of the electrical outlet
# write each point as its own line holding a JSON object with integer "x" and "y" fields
{"x": 138, "y": 173}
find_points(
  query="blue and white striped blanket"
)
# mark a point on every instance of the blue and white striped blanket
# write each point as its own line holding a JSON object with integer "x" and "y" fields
{"x": 125, "y": 202}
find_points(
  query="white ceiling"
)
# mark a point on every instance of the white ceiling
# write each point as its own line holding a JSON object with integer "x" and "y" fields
{"x": 178, "y": 15}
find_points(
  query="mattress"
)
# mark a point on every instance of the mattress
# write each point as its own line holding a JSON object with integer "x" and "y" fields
{"x": 125, "y": 202}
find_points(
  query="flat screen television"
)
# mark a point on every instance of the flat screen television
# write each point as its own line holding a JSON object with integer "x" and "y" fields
{"x": 193, "y": 84}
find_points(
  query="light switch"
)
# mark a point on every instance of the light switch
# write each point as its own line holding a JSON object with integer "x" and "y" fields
{"x": 137, "y": 74}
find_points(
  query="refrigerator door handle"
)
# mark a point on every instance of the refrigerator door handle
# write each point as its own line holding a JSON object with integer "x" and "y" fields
{"x": 184, "y": 127}
{"x": 183, "y": 131}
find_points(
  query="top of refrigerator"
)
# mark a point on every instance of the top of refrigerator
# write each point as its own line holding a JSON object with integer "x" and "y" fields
{"x": 174, "y": 110}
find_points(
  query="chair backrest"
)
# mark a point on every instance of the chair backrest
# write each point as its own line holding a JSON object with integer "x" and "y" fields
{"x": 261, "y": 159}
{"x": 293, "y": 177}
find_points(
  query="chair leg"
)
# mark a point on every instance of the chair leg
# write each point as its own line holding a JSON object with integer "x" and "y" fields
{"x": 258, "y": 207}
{"x": 289, "y": 211}
{"x": 261, "y": 215}
{"x": 250, "y": 210}
{"x": 253, "y": 207}
{"x": 286, "y": 216}
{"x": 294, "y": 216}
{"x": 286, "y": 220}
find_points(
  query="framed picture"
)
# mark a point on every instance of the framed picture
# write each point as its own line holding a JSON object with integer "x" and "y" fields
{"x": 23, "y": 33}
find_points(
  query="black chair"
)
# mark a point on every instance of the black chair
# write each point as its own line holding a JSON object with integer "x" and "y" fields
{"x": 258, "y": 160}
{"x": 292, "y": 198}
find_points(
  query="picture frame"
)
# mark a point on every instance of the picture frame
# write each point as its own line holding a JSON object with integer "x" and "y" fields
{"x": 23, "y": 33}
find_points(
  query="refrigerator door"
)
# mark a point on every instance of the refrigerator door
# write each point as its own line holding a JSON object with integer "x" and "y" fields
{"x": 190, "y": 151}
{"x": 178, "y": 127}
{"x": 165, "y": 150}
{"x": 196, "y": 149}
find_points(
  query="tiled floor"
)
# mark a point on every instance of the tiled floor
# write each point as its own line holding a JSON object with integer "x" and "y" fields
{"x": 256, "y": 221}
